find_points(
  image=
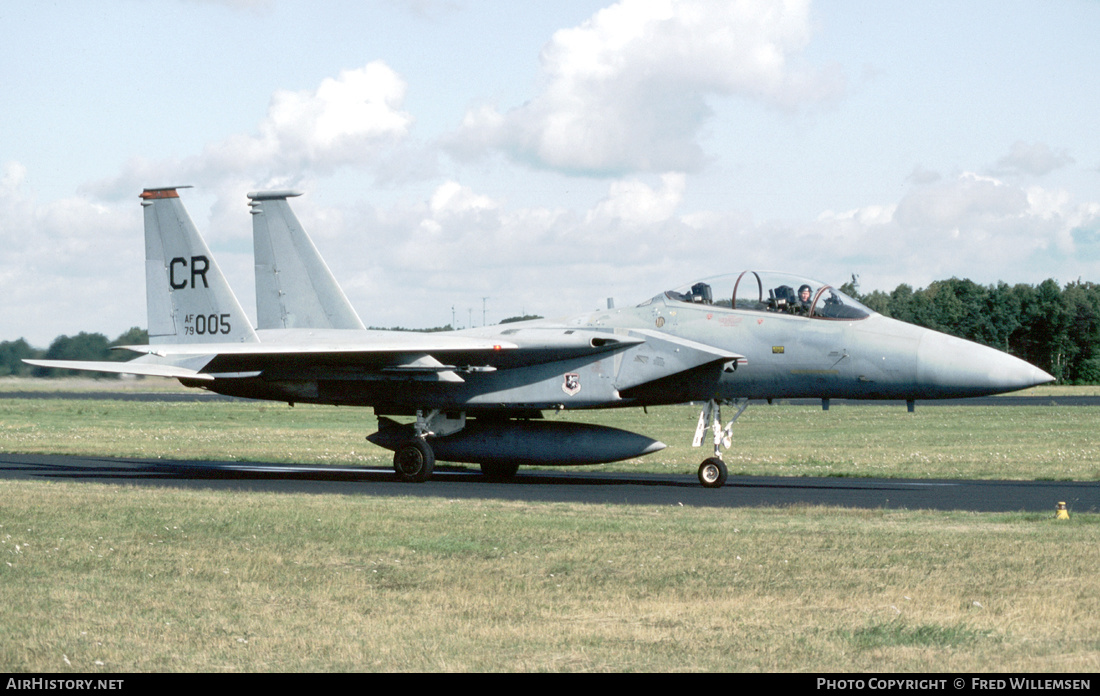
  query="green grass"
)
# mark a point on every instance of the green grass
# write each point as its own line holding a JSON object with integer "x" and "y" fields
{"x": 898, "y": 633}
{"x": 1017, "y": 442}
{"x": 104, "y": 577}
{"x": 116, "y": 578}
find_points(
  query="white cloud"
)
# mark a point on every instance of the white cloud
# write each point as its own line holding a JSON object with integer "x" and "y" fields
{"x": 14, "y": 174}
{"x": 69, "y": 265}
{"x": 428, "y": 9}
{"x": 969, "y": 226}
{"x": 866, "y": 216}
{"x": 342, "y": 121}
{"x": 352, "y": 119}
{"x": 1035, "y": 159}
{"x": 453, "y": 198}
{"x": 920, "y": 175}
{"x": 970, "y": 199}
{"x": 627, "y": 90}
{"x": 74, "y": 264}
{"x": 408, "y": 263}
{"x": 460, "y": 245}
{"x": 255, "y": 6}
{"x": 633, "y": 202}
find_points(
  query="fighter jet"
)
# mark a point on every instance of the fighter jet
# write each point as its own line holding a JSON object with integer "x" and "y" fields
{"x": 479, "y": 395}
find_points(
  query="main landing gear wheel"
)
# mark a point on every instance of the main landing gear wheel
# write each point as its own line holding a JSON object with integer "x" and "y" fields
{"x": 712, "y": 473}
{"x": 413, "y": 461}
{"x": 499, "y": 471}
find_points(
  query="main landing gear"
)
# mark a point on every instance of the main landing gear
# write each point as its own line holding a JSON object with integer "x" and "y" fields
{"x": 712, "y": 472}
{"x": 414, "y": 460}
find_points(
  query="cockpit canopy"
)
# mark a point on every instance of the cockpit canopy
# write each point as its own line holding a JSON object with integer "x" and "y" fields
{"x": 765, "y": 291}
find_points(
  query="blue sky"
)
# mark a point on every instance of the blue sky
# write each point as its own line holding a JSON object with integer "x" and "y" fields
{"x": 546, "y": 156}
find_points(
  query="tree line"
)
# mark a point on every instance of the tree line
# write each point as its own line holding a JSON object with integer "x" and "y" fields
{"x": 1053, "y": 327}
{"x": 83, "y": 346}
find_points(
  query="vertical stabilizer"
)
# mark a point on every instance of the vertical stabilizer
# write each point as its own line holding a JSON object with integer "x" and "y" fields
{"x": 294, "y": 287}
{"x": 188, "y": 298}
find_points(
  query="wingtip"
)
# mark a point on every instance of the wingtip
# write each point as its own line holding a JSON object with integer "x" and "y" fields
{"x": 162, "y": 192}
{"x": 273, "y": 195}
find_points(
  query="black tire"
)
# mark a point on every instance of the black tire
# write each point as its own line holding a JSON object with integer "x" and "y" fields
{"x": 499, "y": 471}
{"x": 712, "y": 473}
{"x": 413, "y": 461}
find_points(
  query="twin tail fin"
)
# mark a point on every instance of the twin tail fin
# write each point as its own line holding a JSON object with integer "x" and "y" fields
{"x": 188, "y": 299}
{"x": 294, "y": 287}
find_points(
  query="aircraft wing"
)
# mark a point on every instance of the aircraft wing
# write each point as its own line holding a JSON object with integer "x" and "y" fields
{"x": 362, "y": 355}
{"x": 331, "y": 342}
{"x": 337, "y": 355}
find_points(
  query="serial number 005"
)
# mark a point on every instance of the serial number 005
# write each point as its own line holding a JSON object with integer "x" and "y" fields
{"x": 207, "y": 324}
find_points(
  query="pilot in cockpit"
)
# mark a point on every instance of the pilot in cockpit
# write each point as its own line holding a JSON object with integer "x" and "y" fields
{"x": 804, "y": 297}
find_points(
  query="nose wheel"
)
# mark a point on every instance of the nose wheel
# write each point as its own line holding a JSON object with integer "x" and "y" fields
{"x": 712, "y": 473}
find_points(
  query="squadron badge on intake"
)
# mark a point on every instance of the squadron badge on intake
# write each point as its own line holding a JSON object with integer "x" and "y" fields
{"x": 572, "y": 383}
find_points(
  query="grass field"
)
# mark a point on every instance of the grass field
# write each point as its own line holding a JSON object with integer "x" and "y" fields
{"x": 1018, "y": 442}
{"x": 124, "y": 578}
{"x": 112, "y": 578}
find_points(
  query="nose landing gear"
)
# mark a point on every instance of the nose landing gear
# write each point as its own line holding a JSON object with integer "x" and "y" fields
{"x": 712, "y": 472}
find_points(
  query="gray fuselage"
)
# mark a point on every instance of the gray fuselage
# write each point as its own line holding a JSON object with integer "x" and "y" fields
{"x": 772, "y": 355}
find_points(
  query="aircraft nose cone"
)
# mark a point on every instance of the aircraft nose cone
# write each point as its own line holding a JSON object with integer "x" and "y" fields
{"x": 953, "y": 367}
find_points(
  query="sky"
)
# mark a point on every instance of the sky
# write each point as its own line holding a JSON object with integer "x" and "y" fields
{"x": 465, "y": 161}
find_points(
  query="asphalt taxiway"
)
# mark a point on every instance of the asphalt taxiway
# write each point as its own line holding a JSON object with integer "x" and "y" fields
{"x": 565, "y": 485}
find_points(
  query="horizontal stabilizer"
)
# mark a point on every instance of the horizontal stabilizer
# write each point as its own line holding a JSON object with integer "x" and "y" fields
{"x": 124, "y": 368}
